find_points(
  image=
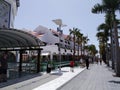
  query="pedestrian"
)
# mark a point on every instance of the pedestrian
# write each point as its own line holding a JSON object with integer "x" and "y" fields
{"x": 72, "y": 66}
{"x": 87, "y": 62}
{"x": 100, "y": 61}
{"x": 3, "y": 68}
{"x": 48, "y": 68}
{"x": 97, "y": 60}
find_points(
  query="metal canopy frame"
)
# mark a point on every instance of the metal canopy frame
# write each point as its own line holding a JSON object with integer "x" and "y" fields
{"x": 13, "y": 38}
{"x": 18, "y": 40}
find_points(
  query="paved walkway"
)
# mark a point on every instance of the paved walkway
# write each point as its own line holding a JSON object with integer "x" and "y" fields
{"x": 28, "y": 82}
{"x": 63, "y": 79}
{"x": 42, "y": 82}
{"x": 98, "y": 77}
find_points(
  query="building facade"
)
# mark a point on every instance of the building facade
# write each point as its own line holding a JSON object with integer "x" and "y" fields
{"x": 55, "y": 44}
{"x": 8, "y": 11}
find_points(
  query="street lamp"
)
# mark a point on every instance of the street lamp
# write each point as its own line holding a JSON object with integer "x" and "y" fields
{"x": 60, "y": 32}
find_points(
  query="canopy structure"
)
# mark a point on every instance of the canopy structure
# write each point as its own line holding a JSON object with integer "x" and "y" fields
{"x": 13, "y": 38}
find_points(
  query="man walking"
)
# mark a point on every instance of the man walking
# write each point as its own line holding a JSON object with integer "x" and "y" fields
{"x": 87, "y": 62}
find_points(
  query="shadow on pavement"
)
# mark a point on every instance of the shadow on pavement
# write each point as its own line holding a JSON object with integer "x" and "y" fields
{"x": 113, "y": 81}
{"x": 17, "y": 80}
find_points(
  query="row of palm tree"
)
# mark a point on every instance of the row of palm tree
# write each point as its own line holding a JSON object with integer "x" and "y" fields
{"x": 109, "y": 29}
{"x": 103, "y": 37}
{"x": 81, "y": 41}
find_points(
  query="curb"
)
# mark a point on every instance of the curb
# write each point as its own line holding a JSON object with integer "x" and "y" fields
{"x": 61, "y": 81}
{"x": 70, "y": 80}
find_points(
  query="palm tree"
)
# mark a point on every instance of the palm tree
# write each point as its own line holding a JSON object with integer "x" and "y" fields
{"x": 92, "y": 50}
{"x": 107, "y": 28}
{"x": 109, "y": 22}
{"x": 84, "y": 41}
{"x": 111, "y": 6}
{"x": 79, "y": 41}
{"x": 101, "y": 38}
{"x": 104, "y": 28}
{"x": 74, "y": 32}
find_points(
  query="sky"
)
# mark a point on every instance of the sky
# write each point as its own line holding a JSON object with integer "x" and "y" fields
{"x": 74, "y": 13}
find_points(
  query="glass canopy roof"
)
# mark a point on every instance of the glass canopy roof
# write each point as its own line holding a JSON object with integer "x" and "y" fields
{"x": 13, "y": 38}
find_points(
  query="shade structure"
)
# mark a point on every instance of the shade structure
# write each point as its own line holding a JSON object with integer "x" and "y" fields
{"x": 13, "y": 38}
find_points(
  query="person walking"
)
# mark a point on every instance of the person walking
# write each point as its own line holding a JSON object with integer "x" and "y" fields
{"x": 72, "y": 66}
{"x": 48, "y": 67}
{"x": 100, "y": 61}
{"x": 87, "y": 62}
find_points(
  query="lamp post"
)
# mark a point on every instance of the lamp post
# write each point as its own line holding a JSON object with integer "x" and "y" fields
{"x": 60, "y": 32}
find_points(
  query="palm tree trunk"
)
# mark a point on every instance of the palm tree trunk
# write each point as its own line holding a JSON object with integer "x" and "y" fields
{"x": 112, "y": 54}
{"x": 117, "y": 59}
{"x": 74, "y": 48}
{"x": 112, "y": 51}
{"x": 107, "y": 54}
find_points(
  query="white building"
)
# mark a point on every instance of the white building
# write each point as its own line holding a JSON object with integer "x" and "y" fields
{"x": 51, "y": 39}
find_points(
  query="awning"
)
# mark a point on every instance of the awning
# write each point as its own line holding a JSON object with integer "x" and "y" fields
{"x": 13, "y": 38}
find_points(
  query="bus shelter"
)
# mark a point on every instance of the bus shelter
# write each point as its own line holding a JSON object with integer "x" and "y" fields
{"x": 18, "y": 41}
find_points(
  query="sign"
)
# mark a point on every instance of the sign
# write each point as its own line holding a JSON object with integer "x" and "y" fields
{"x": 5, "y": 9}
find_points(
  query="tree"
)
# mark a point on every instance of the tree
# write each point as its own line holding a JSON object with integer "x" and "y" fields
{"x": 111, "y": 6}
{"x": 102, "y": 51}
{"x": 84, "y": 41}
{"x": 92, "y": 49}
{"x": 107, "y": 29}
{"x": 79, "y": 41}
{"x": 104, "y": 28}
{"x": 74, "y": 32}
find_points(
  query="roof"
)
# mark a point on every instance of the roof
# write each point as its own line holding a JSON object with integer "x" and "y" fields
{"x": 13, "y": 38}
{"x": 41, "y": 30}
